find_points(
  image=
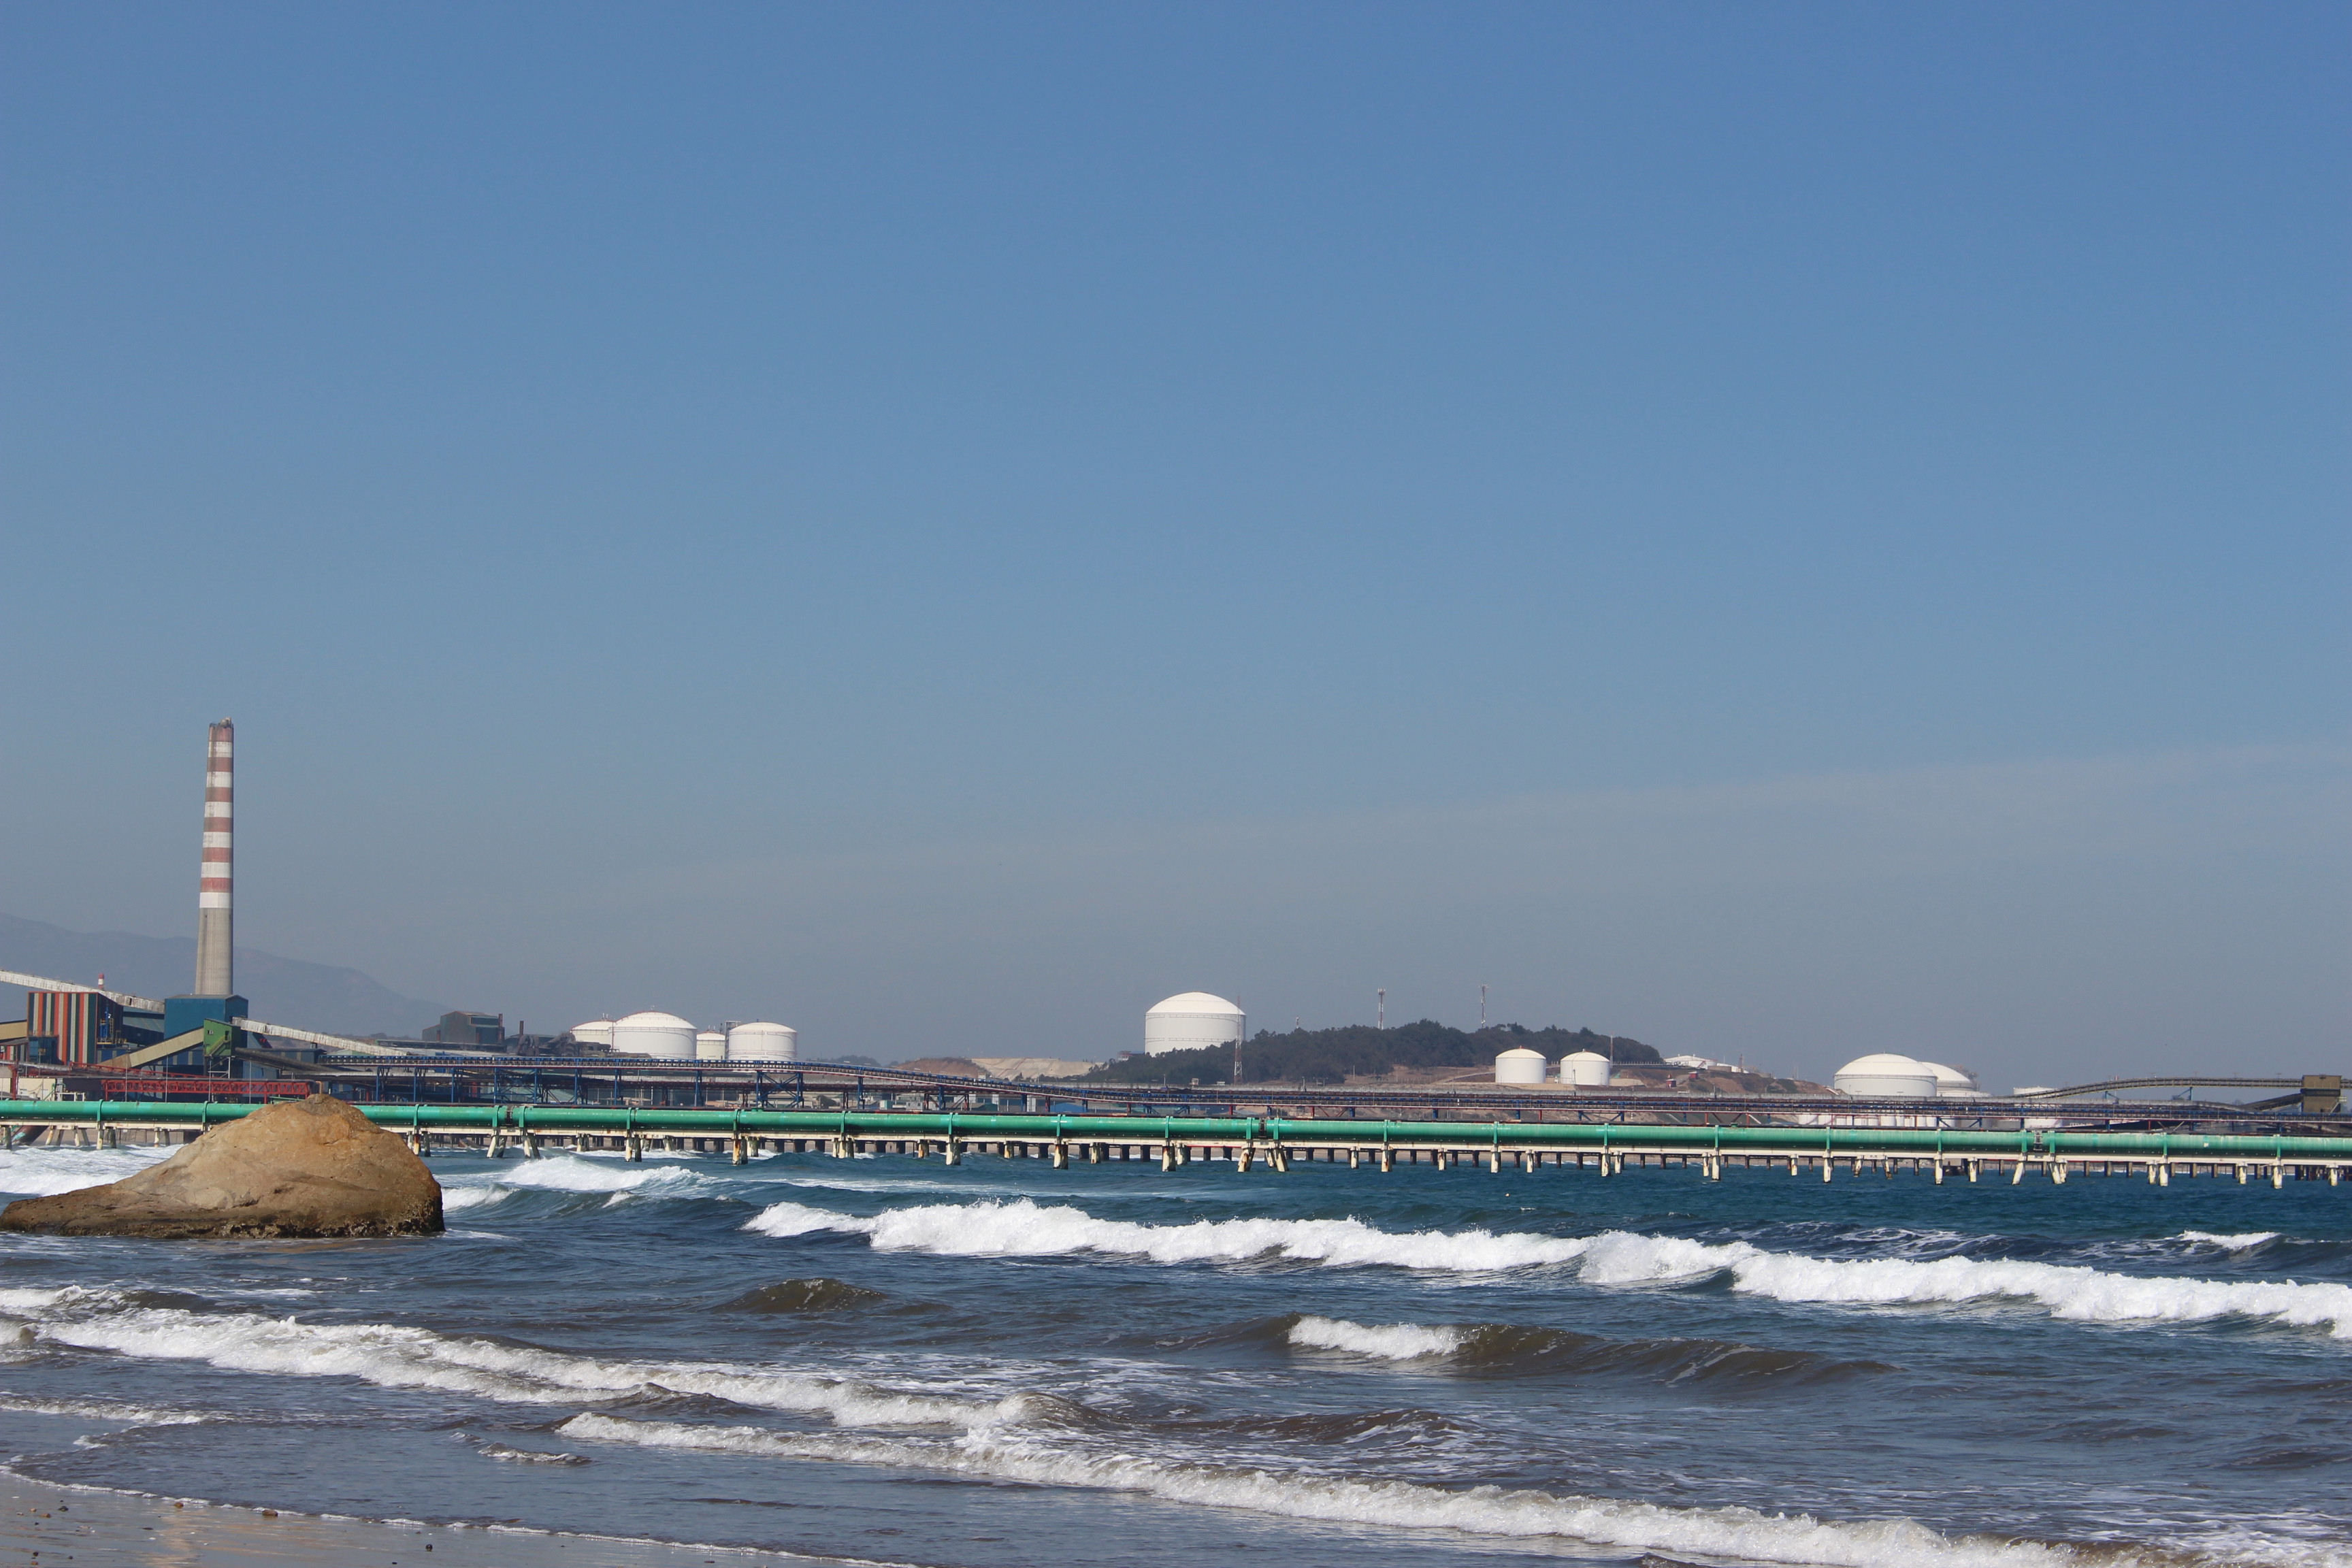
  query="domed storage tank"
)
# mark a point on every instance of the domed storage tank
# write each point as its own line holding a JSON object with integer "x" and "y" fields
{"x": 1520, "y": 1064}
{"x": 710, "y": 1046}
{"x": 1190, "y": 1021}
{"x": 762, "y": 1043}
{"x": 654, "y": 1035}
{"x": 1585, "y": 1069}
{"x": 1953, "y": 1083}
{"x": 596, "y": 1032}
{"x": 1885, "y": 1076}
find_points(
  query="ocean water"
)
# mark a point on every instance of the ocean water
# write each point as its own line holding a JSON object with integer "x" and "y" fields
{"x": 999, "y": 1365}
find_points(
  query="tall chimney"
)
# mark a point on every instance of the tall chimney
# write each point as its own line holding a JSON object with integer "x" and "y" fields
{"x": 215, "y": 974}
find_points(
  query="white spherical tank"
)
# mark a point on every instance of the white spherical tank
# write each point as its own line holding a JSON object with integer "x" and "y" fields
{"x": 1191, "y": 1021}
{"x": 597, "y": 1032}
{"x": 710, "y": 1046}
{"x": 1585, "y": 1069}
{"x": 1885, "y": 1076}
{"x": 662, "y": 1035}
{"x": 1520, "y": 1064}
{"x": 762, "y": 1043}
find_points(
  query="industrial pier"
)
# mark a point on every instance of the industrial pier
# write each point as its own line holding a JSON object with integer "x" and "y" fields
{"x": 1275, "y": 1144}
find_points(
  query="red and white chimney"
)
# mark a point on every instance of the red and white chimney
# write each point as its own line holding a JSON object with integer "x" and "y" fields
{"x": 215, "y": 966}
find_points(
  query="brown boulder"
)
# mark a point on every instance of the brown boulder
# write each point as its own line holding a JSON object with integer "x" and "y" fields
{"x": 299, "y": 1167}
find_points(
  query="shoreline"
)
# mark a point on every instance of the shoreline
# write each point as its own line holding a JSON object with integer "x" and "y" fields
{"x": 55, "y": 1522}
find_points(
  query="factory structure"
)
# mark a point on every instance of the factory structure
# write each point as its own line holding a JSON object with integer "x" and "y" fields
{"x": 666, "y": 1036}
{"x": 208, "y": 1028}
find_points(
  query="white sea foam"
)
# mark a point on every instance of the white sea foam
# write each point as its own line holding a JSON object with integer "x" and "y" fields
{"x": 44, "y": 1173}
{"x": 573, "y": 1173}
{"x": 1480, "y": 1510}
{"x": 2069, "y": 1292}
{"x": 2237, "y": 1243}
{"x": 102, "y": 1410}
{"x": 398, "y": 1356}
{"x": 1395, "y": 1342}
{"x": 1025, "y": 1229}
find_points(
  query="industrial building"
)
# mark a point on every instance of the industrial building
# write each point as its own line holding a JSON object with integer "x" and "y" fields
{"x": 1887, "y": 1075}
{"x": 668, "y": 1038}
{"x": 475, "y": 1031}
{"x": 1192, "y": 1020}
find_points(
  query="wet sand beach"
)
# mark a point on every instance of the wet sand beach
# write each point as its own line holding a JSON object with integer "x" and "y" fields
{"x": 51, "y": 1524}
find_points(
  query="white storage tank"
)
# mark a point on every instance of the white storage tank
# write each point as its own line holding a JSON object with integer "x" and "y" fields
{"x": 710, "y": 1046}
{"x": 662, "y": 1035}
{"x": 596, "y": 1032}
{"x": 1585, "y": 1069}
{"x": 1885, "y": 1076}
{"x": 762, "y": 1043}
{"x": 1953, "y": 1083}
{"x": 1520, "y": 1064}
{"x": 1190, "y": 1021}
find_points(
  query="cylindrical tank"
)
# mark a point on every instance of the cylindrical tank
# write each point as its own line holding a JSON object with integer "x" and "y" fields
{"x": 1885, "y": 1076}
{"x": 654, "y": 1035}
{"x": 1520, "y": 1064}
{"x": 1585, "y": 1069}
{"x": 762, "y": 1043}
{"x": 1192, "y": 1020}
{"x": 596, "y": 1032}
{"x": 1953, "y": 1083}
{"x": 710, "y": 1046}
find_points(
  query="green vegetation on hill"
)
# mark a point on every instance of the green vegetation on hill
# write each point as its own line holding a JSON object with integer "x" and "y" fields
{"x": 1333, "y": 1055}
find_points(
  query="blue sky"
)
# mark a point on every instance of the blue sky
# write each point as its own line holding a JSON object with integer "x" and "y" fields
{"x": 944, "y": 524}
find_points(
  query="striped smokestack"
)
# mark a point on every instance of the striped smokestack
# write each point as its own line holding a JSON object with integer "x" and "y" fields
{"x": 215, "y": 974}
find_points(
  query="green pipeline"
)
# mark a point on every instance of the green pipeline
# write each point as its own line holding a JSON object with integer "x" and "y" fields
{"x": 1901, "y": 1142}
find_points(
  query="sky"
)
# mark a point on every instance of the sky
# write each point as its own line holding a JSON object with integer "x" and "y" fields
{"x": 1781, "y": 532}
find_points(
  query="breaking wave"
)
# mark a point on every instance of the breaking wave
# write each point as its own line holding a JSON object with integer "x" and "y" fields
{"x": 1398, "y": 1341}
{"x": 393, "y": 1355}
{"x": 2070, "y": 1292}
{"x": 1024, "y": 1228}
{"x": 1506, "y": 1348}
{"x": 573, "y": 1173}
{"x": 2238, "y": 1243}
{"x": 1484, "y": 1511}
{"x": 45, "y": 1172}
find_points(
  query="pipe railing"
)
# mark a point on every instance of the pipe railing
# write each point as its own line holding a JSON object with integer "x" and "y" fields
{"x": 1261, "y": 1132}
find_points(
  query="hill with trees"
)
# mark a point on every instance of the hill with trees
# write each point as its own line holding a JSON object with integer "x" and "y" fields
{"x": 1333, "y": 1055}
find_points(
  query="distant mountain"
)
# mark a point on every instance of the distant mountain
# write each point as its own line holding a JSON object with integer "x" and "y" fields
{"x": 282, "y": 990}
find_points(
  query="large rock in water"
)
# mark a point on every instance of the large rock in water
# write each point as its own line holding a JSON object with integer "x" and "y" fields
{"x": 299, "y": 1167}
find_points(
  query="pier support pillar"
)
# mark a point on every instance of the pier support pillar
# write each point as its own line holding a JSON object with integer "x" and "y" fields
{"x": 633, "y": 1148}
{"x": 1388, "y": 1162}
{"x": 2278, "y": 1174}
{"x": 951, "y": 1153}
{"x": 739, "y": 1151}
{"x": 1061, "y": 1156}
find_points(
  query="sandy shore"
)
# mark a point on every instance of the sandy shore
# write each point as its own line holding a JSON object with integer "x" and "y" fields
{"x": 51, "y": 1525}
